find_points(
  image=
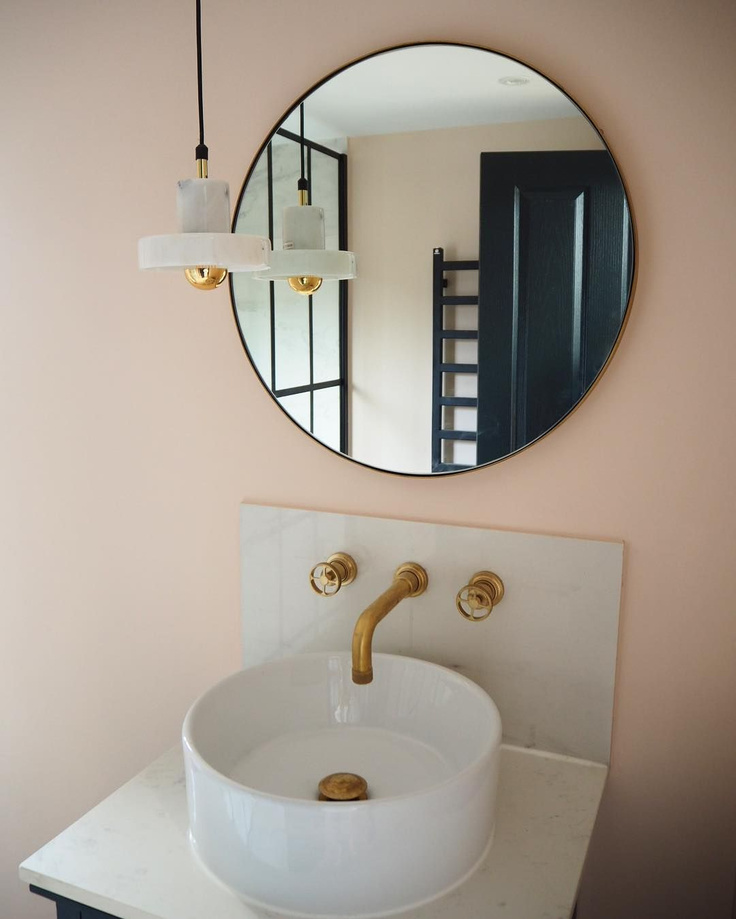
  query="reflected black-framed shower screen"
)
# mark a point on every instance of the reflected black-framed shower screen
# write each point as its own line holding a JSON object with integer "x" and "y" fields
{"x": 340, "y": 383}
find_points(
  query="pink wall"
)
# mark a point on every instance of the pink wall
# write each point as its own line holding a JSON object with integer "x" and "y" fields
{"x": 126, "y": 405}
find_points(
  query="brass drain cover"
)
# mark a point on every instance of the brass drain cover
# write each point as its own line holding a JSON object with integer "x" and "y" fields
{"x": 343, "y": 786}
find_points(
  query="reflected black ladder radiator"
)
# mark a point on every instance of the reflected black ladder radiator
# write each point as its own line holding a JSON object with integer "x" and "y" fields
{"x": 439, "y": 336}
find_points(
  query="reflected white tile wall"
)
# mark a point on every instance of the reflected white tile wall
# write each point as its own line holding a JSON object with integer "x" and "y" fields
{"x": 547, "y": 654}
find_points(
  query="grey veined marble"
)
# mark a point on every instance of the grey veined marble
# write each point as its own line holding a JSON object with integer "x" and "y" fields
{"x": 203, "y": 206}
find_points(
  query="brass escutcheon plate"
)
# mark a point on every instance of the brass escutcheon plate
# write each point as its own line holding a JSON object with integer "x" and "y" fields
{"x": 416, "y": 575}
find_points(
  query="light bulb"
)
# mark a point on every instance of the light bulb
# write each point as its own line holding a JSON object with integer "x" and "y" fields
{"x": 306, "y": 284}
{"x": 205, "y": 277}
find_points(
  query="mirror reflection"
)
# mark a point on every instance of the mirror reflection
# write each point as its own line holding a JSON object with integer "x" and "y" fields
{"x": 494, "y": 259}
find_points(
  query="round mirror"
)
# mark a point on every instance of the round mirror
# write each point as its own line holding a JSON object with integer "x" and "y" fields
{"x": 494, "y": 253}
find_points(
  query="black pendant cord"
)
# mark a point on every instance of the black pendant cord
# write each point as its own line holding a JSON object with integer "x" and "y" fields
{"x": 302, "y": 184}
{"x": 201, "y": 151}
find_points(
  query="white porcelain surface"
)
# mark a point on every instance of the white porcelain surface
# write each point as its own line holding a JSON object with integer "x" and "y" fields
{"x": 546, "y": 656}
{"x": 257, "y": 744}
{"x": 130, "y": 856}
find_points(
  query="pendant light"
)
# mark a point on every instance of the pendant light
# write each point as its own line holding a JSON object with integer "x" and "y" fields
{"x": 303, "y": 261}
{"x": 204, "y": 248}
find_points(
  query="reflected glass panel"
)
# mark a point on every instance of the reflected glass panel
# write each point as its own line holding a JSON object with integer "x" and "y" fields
{"x": 326, "y": 328}
{"x": 286, "y": 167}
{"x": 298, "y": 407}
{"x": 291, "y": 335}
{"x": 252, "y": 215}
{"x": 324, "y": 177}
{"x": 253, "y": 312}
{"x": 327, "y": 416}
{"x": 253, "y": 307}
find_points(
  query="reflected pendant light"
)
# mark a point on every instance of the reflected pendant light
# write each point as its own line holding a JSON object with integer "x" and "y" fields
{"x": 303, "y": 261}
{"x": 204, "y": 248}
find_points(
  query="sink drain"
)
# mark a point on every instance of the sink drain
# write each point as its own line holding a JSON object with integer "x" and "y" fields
{"x": 343, "y": 786}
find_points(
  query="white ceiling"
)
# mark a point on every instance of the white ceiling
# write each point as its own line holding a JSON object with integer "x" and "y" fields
{"x": 426, "y": 87}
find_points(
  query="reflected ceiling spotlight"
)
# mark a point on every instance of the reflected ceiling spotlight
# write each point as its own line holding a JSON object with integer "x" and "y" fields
{"x": 303, "y": 261}
{"x": 204, "y": 248}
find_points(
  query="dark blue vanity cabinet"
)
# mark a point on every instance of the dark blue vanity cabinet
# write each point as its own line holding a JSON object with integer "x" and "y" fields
{"x": 69, "y": 909}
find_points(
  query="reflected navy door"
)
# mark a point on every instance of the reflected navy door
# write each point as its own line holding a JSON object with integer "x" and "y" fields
{"x": 554, "y": 276}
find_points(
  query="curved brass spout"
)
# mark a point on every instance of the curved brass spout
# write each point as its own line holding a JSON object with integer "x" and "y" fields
{"x": 410, "y": 580}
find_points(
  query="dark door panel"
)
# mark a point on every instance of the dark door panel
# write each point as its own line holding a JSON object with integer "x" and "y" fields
{"x": 554, "y": 279}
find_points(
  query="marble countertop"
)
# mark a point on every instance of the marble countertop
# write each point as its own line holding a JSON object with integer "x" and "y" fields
{"x": 130, "y": 855}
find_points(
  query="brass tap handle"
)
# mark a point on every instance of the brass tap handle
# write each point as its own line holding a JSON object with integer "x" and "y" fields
{"x": 326, "y": 578}
{"x": 476, "y": 600}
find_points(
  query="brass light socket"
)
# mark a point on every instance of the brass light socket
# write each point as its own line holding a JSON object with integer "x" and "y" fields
{"x": 305, "y": 284}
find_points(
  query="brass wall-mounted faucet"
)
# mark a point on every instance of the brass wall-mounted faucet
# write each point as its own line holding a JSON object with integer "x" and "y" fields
{"x": 410, "y": 580}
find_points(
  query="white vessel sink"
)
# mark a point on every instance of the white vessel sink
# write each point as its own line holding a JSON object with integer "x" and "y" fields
{"x": 256, "y": 746}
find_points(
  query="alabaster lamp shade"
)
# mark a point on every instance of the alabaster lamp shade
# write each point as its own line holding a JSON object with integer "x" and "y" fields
{"x": 304, "y": 252}
{"x": 203, "y": 206}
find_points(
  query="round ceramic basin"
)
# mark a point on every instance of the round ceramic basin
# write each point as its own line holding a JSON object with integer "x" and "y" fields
{"x": 256, "y": 746}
